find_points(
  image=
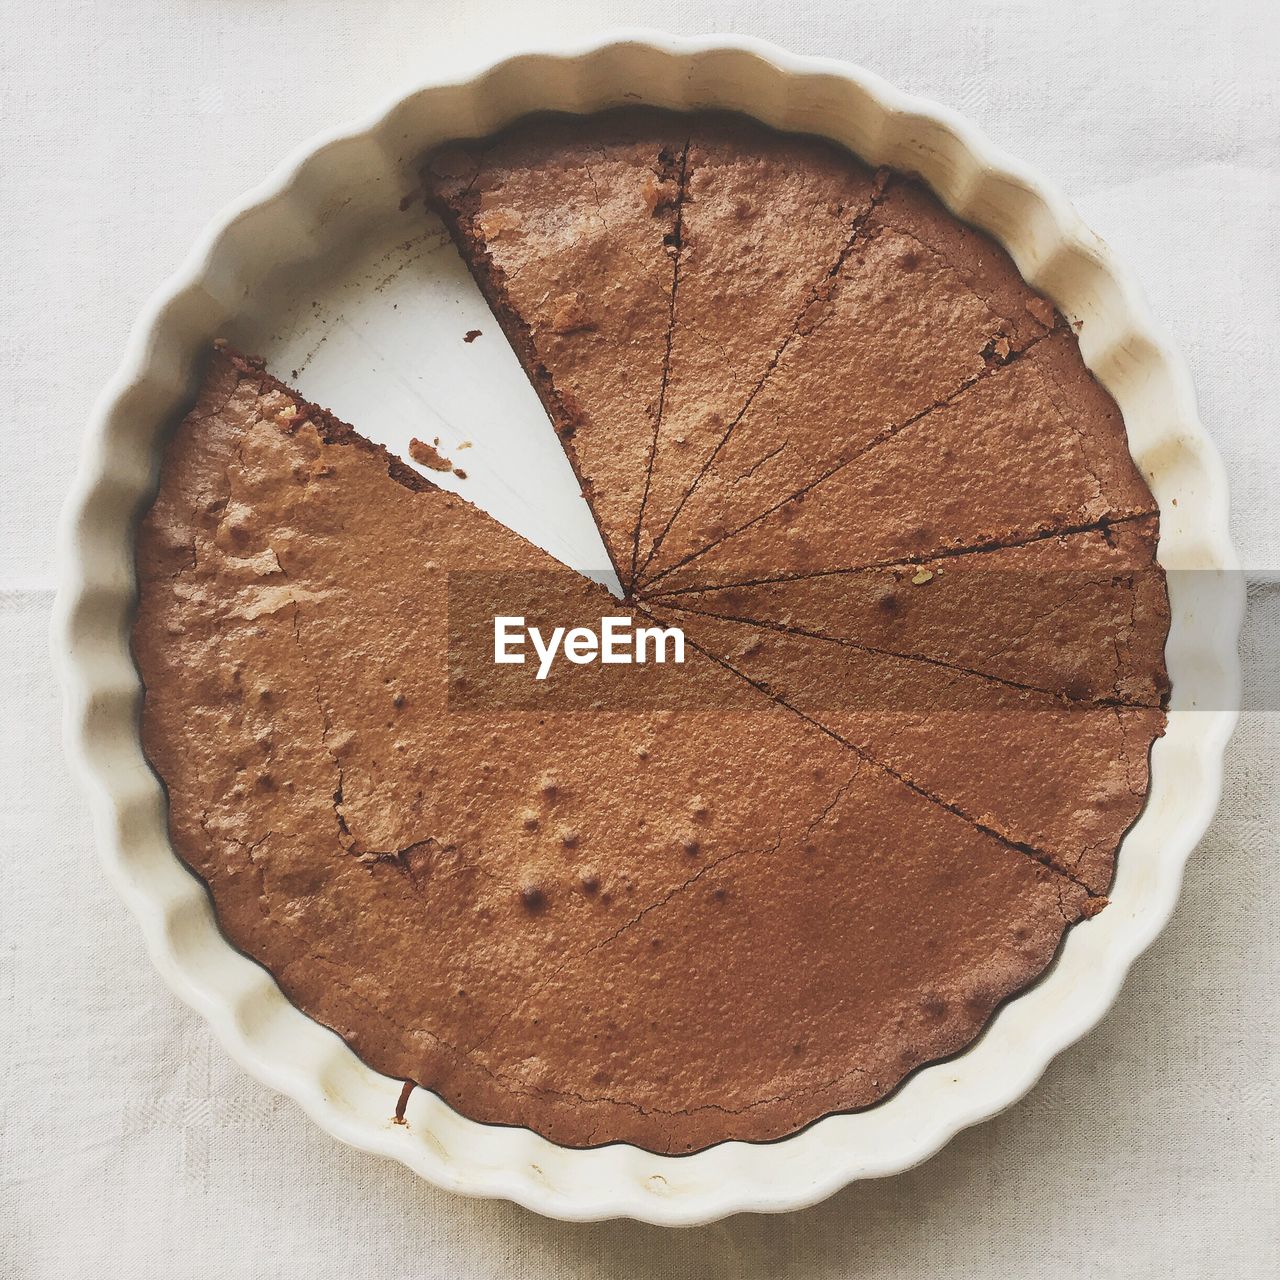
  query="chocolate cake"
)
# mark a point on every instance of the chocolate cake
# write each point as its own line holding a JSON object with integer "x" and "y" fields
{"x": 828, "y": 432}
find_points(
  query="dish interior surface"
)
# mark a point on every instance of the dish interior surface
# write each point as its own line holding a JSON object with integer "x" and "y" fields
{"x": 379, "y": 338}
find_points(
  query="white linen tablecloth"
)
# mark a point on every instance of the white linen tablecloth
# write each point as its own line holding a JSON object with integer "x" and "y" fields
{"x": 129, "y": 1143}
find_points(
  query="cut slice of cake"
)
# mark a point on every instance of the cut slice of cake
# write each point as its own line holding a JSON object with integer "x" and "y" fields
{"x": 740, "y": 237}
{"x": 1081, "y": 615}
{"x": 571, "y": 229}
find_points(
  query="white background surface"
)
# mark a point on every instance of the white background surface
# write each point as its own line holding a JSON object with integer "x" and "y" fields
{"x": 130, "y": 1145}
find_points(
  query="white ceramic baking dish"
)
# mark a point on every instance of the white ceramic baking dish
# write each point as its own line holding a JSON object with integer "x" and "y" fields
{"x": 319, "y": 259}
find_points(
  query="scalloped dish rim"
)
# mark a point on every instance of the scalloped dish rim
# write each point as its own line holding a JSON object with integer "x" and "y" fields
{"x": 290, "y": 1053}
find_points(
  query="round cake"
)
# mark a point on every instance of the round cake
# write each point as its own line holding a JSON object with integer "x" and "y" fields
{"x": 835, "y": 444}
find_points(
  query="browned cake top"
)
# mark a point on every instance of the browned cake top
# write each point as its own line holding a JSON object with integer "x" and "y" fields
{"x": 672, "y": 905}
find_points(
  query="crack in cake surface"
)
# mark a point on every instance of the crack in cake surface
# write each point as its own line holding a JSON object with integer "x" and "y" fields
{"x": 1101, "y": 526}
{"x": 677, "y": 254}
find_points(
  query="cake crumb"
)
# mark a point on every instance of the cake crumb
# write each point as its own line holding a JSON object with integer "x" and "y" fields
{"x": 428, "y": 455}
{"x": 403, "y": 1103}
{"x": 471, "y": 335}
